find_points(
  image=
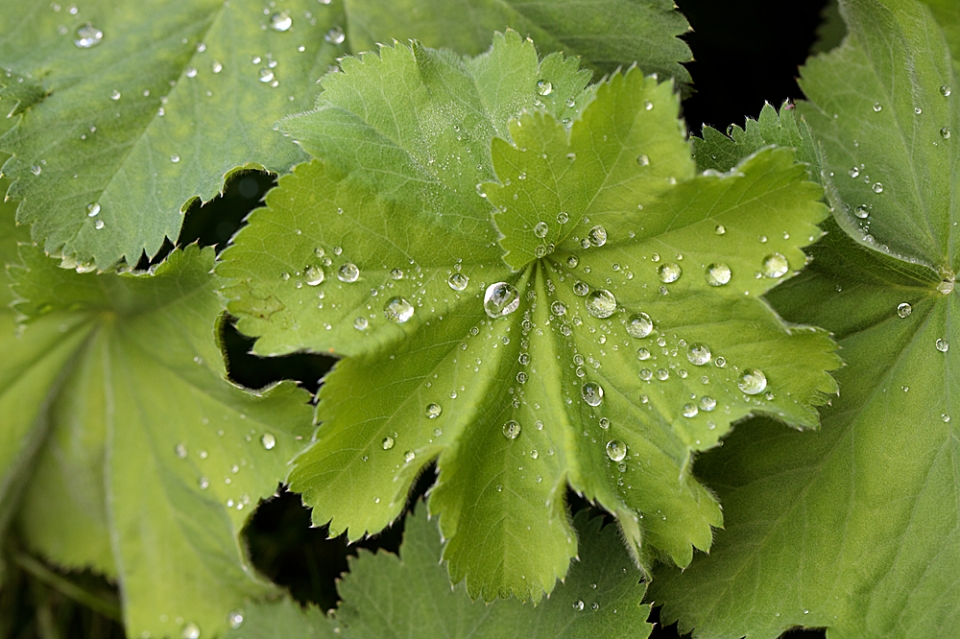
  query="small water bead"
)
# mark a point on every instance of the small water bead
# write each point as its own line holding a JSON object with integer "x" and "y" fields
{"x": 720, "y": 230}
{"x": 775, "y": 265}
{"x": 699, "y": 354}
{"x": 945, "y": 91}
{"x": 190, "y": 72}
{"x": 204, "y": 483}
{"x": 752, "y": 381}
{"x": 180, "y": 450}
{"x": 521, "y": 378}
{"x": 945, "y": 133}
{"x": 114, "y": 95}
{"x": 268, "y": 441}
{"x": 387, "y": 443}
{"x": 563, "y": 217}
{"x": 646, "y": 374}
{"x": 854, "y": 172}
{"x": 348, "y": 272}
{"x": 942, "y": 345}
{"x": 648, "y": 105}
{"x": 616, "y": 450}
{"x": 432, "y": 411}
{"x": 314, "y": 275}
{"x": 945, "y": 418}
{"x": 191, "y": 631}
{"x": 544, "y": 87}
{"x": 707, "y": 403}
{"x": 216, "y": 67}
{"x": 669, "y": 272}
{"x": 335, "y": 36}
{"x": 235, "y": 619}
{"x": 558, "y": 308}
{"x": 578, "y": 605}
{"x": 281, "y": 21}
{"x": 640, "y": 326}
{"x": 500, "y": 299}
{"x": 643, "y": 160}
{"x": 573, "y": 261}
{"x": 87, "y": 36}
{"x": 718, "y": 274}
{"x": 597, "y": 236}
{"x": 396, "y": 274}
{"x": 99, "y": 224}
{"x": 601, "y": 303}
{"x": 580, "y": 288}
{"x": 409, "y": 456}
{"x": 904, "y": 310}
{"x": 398, "y": 310}
{"x": 877, "y": 187}
{"x": 511, "y": 430}
{"x": 690, "y": 410}
{"x": 266, "y": 75}
{"x": 174, "y": 158}
{"x": 458, "y": 281}
{"x": 862, "y": 211}
{"x": 604, "y": 423}
{"x": 643, "y": 354}
{"x": 541, "y": 229}
{"x": 877, "y": 107}
{"x": 592, "y": 393}
{"x": 361, "y": 323}
{"x": 663, "y": 374}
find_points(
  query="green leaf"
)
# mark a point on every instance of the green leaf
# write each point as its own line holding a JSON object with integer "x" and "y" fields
{"x": 854, "y": 528}
{"x": 133, "y": 455}
{"x": 605, "y": 34}
{"x": 947, "y": 14}
{"x": 385, "y": 596}
{"x": 384, "y": 250}
{"x": 140, "y": 116}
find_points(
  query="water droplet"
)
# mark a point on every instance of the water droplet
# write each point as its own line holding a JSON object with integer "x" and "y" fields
{"x": 511, "y": 430}
{"x": 281, "y": 21}
{"x": 616, "y": 450}
{"x": 707, "y": 403}
{"x": 114, "y": 95}
{"x": 335, "y": 36}
{"x": 648, "y": 105}
{"x": 204, "y": 483}
{"x": 190, "y": 72}
{"x": 690, "y": 410}
{"x": 597, "y": 236}
{"x": 99, "y": 224}
{"x": 945, "y": 91}
{"x": 601, "y": 303}
{"x": 945, "y": 418}
{"x": 432, "y": 411}
{"x": 904, "y": 310}
{"x": 877, "y": 107}
{"x": 640, "y": 326}
{"x": 266, "y": 75}
{"x": 580, "y": 288}
{"x": 235, "y": 619}
{"x": 216, "y": 67}
{"x": 500, "y": 299}
{"x": 174, "y": 158}
{"x": 361, "y": 323}
{"x": 348, "y": 272}
{"x": 180, "y": 450}
{"x": 458, "y": 281}
{"x": 398, "y": 310}
{"x": 409, "y": 456}
{"x": 643, "y": 354}
{"x": 563, "y": 217}
{"x": 578, "y": 605}
{"x": 854, "y": 172}
{"x": 663, "y": 374}
{"x": 943, "y": 345}
{"x": 592, "y": 393}
{"x": 669, "y": 272}
{"x": 604, "y": 423}
{"x": 699, "y": 354}
{"x": 752, "y": 381}
{"x": 775, "y": 265}
{"x": 718, "y": 274}
{"x": 544, "y": 87}
{"x": 191, "y": 631}
{"x": 558, "y": 308}
{"x": 945, "y": 133}
{"x": 877, "y": 187}
{"x": 87, "y": 36}
{"x": 643, "y": 160}
{"x": 387, "y": 443}
{"x": 541, "y": 229}
{"x": 862, "y": 211}
{"x": 268, "y": 441}
{"x": 720, "y": 230}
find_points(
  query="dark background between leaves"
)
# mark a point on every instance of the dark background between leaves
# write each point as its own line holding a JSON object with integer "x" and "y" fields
{"x": 746, "y": 52}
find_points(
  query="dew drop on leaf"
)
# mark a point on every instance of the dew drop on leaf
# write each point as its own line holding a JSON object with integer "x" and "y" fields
{"x": 699, "y": 354}
{"x": 216, "y": 67}
{"x": 500, "y": 299}
{"x": 87, "y": 36}
{"x": 877, "y": 107}
{"x": 544, "y": 87}
{"x": 707, "y": 403}
{"x": 432, "y": 411}
{"x": 578, "y": 605}
{"x": 458, "y": 281}
{"x": 604, "y": 423}
{"x": 904, "y": 310}
{"x": 563, "y": 217}
{"x": 690, "y": 410}
{"x": 281, "y": 21}
{"x": 640, "y": 326}
{"x": 942, "y": 345}
{"x": 268, "y": 441}
{"x": 511, "y": 430}
{"x": 314, "y": 275}
{"x": 348, "y": 272}
{"x": 669, "y": 272}
{"x": 191, "y": 631}
{"x": 945, "y": 91}
{"x": 752, "y": 381}
{"x": 398, "y": 310}
{"x": 775, "y": 265}
{"x": 558, "y": 308}
{"x": 616, "y": 450}
{"x": 862, "y": 211}
{"x": 643, "y": 160}
{"x": 409, "y": 456}
{"x": 718, "y": 274}
{"x": 581, "y": 288}
{"x": 597, "y": 236}
{"x": 387, "y": 443}
{"x": 180, "y": 450}
{"x": 235, "y": 619}
{"x": 877, "y": 187}
{"x": 945, "y": 133}
{"x": 335, "y": 36}
{"x": 361, "y": 323}
{"x": 592, "y": 393}
{"x": 601, "y": 303}
{"x": 643, "y": 354}
{"x": 266, "y": 75}
{"x": 541, "y": 229}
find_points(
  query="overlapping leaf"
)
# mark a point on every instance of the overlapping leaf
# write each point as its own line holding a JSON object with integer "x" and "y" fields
{"x": 605, "y": 34}
{"x": 855, "y": 528}
{"x": 123, "y": 449}
{"x": 410, "y": 596}
{"x": 135, "y": 108}
{"x": 523, "y": 380}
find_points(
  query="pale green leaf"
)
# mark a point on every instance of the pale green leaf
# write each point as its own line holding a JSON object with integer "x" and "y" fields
{"x": 947, "y": 14}
{"x": 393, "y": 217}
{"x": 605, "y": 34}
{"x": 134, "y": 456}
{"x": 854, "y": 528}
{"x": 157, "y": 110}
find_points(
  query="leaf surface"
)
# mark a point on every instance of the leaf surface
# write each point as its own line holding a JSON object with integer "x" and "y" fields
{"x": 139, "y": 116}
{"x": 134, "y": 457}
{"x": 522, "y": 378}
{"x": 854, "y": 528}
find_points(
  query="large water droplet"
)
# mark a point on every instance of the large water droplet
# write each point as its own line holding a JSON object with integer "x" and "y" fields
{"x": 669, "y": 272}
{"x": 511, "y": 430}
{"x": 314, "y": 275}
{"x": 541, "y": 229}
{"x": 707, "y": 403}
{"x": 87, "y": 36}
{"x": 500, "y": 299}
{"x": 592, "y": 393}
{"x": 398, "y": 310}
{"x": 387, "y": 443}
{"x": 580, "y": 288}
{"x": 348, "y": 272}
{"x": 616, "y": 450}
{"x": 597, "y": 235}
{"x": 268, "y": 441}
{"x": 640, "y": 325}
{"x": 904, "y": 310}
{"x": 432, "y": 411}
{"x": 563, "y": 217}
{"x": 752, "y": 381}
{"x": 775, "y": 265}
{"x": 718, "y": 274}
{"x": 601, "y": 303}
{"x": 877, "y": 187}
{"x": 281, "y": 21}
{"x": 458, "y": 281}
{"x": 699, "y": 354}
{"x": 558, "y": 308}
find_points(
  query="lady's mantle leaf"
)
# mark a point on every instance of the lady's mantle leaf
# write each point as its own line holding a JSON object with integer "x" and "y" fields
{"x": 410, "y": 596}
{"x": 855, "y": 528}
{"x": 131, "y": 453}
{"x": 147, "y": 104}
{"x": 525, "y": 378}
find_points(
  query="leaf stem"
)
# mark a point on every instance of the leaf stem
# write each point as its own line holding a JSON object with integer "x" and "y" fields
{"x": 69, "y": 589}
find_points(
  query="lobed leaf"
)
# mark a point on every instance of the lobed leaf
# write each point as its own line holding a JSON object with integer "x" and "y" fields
{"x": 520, "y": 379}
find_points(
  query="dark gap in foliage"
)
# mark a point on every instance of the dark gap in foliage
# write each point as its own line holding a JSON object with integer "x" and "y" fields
{"x": 251, "y": 371}
{"x": 664, "y": 632}
{"x": 746, "y": 52}
{"x": 214, "y": 223}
